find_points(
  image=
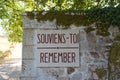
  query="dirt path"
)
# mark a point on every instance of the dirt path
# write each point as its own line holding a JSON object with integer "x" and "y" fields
{"x": 10, "y": 69}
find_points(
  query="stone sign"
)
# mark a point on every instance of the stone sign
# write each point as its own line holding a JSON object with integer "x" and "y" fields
{"x": 57, "y": 48}
{"x": 51, "y": 52}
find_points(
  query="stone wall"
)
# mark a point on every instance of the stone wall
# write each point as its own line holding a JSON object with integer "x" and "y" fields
{"x": 94, "y": 50}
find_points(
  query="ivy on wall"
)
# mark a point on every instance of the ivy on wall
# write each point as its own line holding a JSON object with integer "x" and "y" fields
{"x": 63, "y": 18}
{"x": 108, "y": 15}
{"x": 114, "y": 59}
{"x": 102, "y": 17}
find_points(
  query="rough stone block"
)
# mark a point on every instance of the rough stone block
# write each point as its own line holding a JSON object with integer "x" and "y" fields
{"x": 70, "y": 70}
{"x": 48, "y": 25}
{"x": 76, "y": 76}
{"x": 51, "y": 73}
{"x": 14, "y": 79}
{"x": 83, "y": 67}
{"x": 28, "y": 52}
{"x": 54, "y": 71}
{"x": 26, "y": 22}
{"x": 63, "y": 78}
{"x": 91, "y": 47}
{"x": 28, "y": 78}
{"x": 28, "y": 68}
{"x": 95, "y": 76}
{"x": 44, "y": 76}
{"x": 29, "y": 37}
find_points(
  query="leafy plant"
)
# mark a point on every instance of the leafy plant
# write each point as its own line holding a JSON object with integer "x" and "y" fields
{"x": 94, "y": 10}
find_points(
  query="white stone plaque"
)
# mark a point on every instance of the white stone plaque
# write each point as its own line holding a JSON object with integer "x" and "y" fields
{"x": 57, "y": 48}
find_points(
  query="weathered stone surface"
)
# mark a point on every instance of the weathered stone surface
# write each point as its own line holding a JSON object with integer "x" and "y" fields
{"x": 70, "y": 70}
{"x": 28, "y": 78}
{"x": 29, "y": 37}
{"x": 63, "y": 78}
{"x": 28, "y": 68}
{"x": 93, "y": 68}
{"x": 54, "y": 71}
{"x": 76, "y": 76}
{"x": 92, "y": 41}
{"x": 27, "y": 23}
{"x": 10, "y": 69}
{"x": 14, "y": 79}
{"x": 28, "y": 52}
{"x": 83, "y": 67}
{"x": 93, "y": 54}
{"x": 95, "y": 76}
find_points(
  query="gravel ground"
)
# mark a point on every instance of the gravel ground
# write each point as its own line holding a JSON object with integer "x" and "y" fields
{"x": 10, "y": 69}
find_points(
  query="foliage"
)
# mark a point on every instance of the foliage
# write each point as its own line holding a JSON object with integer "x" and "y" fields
{"x": 108, "y": 15}
{"x": 60, "y": 5}
{"x": 4, "y": 54}
{"x": 11, "y": 11}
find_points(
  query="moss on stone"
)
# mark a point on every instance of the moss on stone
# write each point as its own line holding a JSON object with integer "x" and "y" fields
{"x": 63, "y": 18}
{"x": 89, "y": 29}
{"x": 30, "y": 15}
{"x": 114, "y": 56}
{"x": 117, "y": 38}
{"x": 100, "y": 72}
{"x": 94, "y": 54}
{"x": 102, "y": 29}
{"x": 67, "y": 18}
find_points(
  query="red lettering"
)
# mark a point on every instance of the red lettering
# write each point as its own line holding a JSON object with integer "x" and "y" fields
{"x": 51, "y": 38}
{"x": 70, "y": 38}
{"x": 54, "y": 38}
{"x": 50, "y": 56}
{"x": 63, "y": 38}
{"x": 46, "y": 58}
{"x": 66, "y": 57}
{"x": 38, "y": 36}
{"x": 73, "y": 57}
{"x": 55, "y": 58}
{"x": 74, "y": 38}
{"x": 69, "y": 57}
{"x": 42, "y": 57}
{"x": 42, "y": 38}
